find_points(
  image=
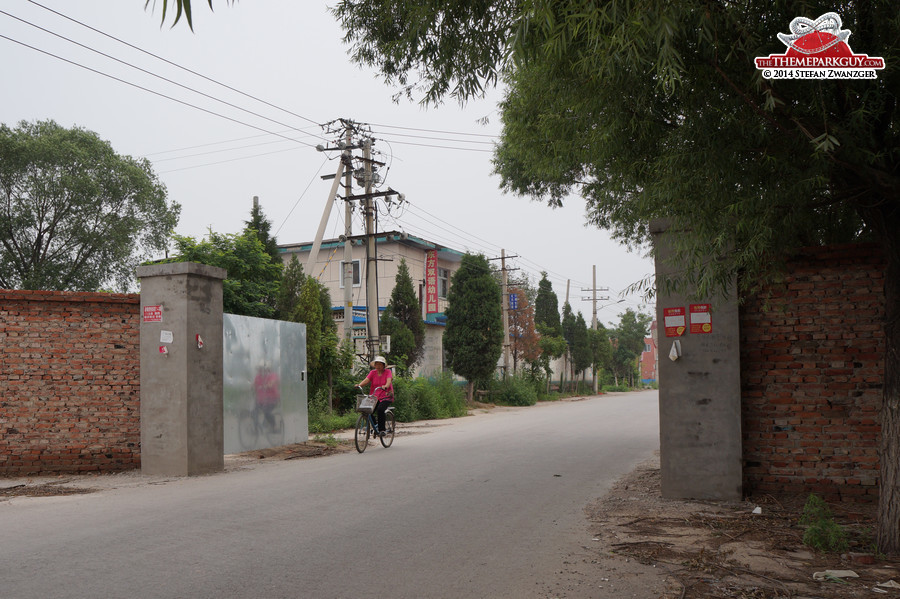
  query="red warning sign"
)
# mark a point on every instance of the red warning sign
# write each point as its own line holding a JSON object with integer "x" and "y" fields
{"x": 701, "y": 320}
{"x": 674, "y": 321}
{"x": 152, "y": 313}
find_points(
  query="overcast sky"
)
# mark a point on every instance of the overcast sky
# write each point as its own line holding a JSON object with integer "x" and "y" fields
{"x": 215, "y": 148}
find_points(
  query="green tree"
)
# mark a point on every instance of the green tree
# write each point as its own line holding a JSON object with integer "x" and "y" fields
{"x": 581, "y": 346}
{"x": 404, "y": 307}
{"x": 629, "y": 337}
{"x": 403, "y": 344}
{"x": 263, "y": 229}
{"x": 473, "y": 339}
{"x": 252, "y": 278}
{"x": 547, "y": 323}
{"x": 309, "y": 312}
{"x": 325, "y": 355}
{"x": 74, "y": 215}
{"x": 292, "y": 279}
{"x": 601, "y": 350}
{"x": 546, "y": 306}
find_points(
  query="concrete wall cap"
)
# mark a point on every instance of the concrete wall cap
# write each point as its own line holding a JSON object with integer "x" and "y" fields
{"x": 181, "y": 268}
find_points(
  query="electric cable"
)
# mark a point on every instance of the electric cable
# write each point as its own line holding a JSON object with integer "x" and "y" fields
{"x": 300, "y": 116}
{"x": 160, "y": 94}
{"x": 166, "y": 79}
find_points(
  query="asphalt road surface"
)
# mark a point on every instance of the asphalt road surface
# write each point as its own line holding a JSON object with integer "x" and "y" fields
{"x": 485, "y": 506}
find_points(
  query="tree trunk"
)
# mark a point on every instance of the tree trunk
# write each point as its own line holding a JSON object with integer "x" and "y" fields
{"x": 330, "y": 393}
{"x": 888, "y": 534}
{"x": 470, "y": 392}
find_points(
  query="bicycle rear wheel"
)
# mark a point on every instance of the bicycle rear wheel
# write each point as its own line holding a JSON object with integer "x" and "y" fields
{"x": 388, "y": 437}
{"x": 275, "y": 432}
{"x": 361, "y": 437}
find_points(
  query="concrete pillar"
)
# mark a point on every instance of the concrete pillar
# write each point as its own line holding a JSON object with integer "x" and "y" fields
{"x": 700, "y": 392}
{"x": 181, "y": 369}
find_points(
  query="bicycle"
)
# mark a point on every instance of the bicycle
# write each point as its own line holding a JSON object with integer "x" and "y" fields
{"x": 252, "y": 424}
{"x": 366, "y": 425}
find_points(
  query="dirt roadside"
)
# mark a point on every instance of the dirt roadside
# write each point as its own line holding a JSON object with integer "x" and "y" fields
{"x": 644, "y": 546}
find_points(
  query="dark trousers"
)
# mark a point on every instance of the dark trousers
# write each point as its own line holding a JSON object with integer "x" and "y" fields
{"x": 378, "y": 414}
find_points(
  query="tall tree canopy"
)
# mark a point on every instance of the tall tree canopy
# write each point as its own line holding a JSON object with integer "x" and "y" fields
{"x": 473, "y": 340}
{"x": 74, "y": 215}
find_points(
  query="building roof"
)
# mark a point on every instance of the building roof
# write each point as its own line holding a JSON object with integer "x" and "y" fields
{"x": 444, "y": 253}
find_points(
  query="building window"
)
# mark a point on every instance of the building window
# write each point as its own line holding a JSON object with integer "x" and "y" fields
{"x": 443, "y": 282}
{"x": 647, "y": 348}
{"x": 356, "y": 275}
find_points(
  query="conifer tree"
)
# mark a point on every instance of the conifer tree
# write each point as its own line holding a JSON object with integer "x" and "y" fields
{"x": 473, "y": 340}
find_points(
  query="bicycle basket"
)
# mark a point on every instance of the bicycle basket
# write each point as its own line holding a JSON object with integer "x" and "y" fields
{"x": 365, "y": 403}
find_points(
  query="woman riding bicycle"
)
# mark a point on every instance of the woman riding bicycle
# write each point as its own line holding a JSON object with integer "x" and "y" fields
{"x": 380, "y": 380}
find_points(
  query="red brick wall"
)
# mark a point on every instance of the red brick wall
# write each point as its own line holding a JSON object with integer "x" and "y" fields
{"x": 69, "y": 382}
{"x": 811, "y": 375}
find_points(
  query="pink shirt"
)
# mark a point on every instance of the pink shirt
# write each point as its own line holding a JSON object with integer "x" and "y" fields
{"x": 380, "y": 380}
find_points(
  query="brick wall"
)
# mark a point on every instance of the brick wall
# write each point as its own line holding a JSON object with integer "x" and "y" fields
{"x": 811, "y": 375}
{"x": 69, "y": 382}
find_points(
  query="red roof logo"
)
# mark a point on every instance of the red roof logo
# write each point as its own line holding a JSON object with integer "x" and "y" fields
{"x": 818, "y": 50}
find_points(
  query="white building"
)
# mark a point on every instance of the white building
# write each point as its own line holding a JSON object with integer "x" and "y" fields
{"x": 433, "y": 283}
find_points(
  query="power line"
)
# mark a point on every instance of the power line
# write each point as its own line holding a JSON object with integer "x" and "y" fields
{"x": 431, "y": 130}
{"x": 177, "y": 65}
{"x": 409, "y": 143}
{"x": 185, "y": 168}
{"x": 152, "y": 74}
{"x": 215, "y": 143}
{"x": 474, "y": 141}
{"x": 160, "y": 94}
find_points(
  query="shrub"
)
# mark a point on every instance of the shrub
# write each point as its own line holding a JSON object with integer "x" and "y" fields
{"x": 425, "y": 399}
{"x": 320, "y": 421}
{"x": 822, "y": 532}
{"x": 514, "y": 391}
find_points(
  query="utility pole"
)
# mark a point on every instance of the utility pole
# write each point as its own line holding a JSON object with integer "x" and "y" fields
{"x": 594, "y": 289}
{"x": 371, "y": 256}
{"x": 348, "y": 245}
{"x": 505, "y": 296}
{"x": 368, "y": 180}
{"x": 504, "y": 299}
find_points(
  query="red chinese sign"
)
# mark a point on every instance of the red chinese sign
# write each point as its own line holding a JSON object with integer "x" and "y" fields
{"x": 701, "y": 321}
{"x": 674, "y": 321}
{"x": 152, "y": 313}
{"x": 431, "y": 279}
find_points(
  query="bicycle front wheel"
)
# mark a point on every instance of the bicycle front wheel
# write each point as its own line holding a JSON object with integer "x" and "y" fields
{"x": 388, "y": 437}
{"x": 361, "y": 438}
{"x": 247, "y": 430}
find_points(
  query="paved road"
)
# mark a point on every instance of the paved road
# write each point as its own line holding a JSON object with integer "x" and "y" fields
{"x": 480, "y": 507}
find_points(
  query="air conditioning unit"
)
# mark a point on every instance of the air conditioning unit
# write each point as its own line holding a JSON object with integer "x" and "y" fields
{"x": 385, "y": 341}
